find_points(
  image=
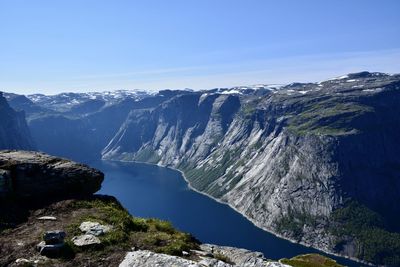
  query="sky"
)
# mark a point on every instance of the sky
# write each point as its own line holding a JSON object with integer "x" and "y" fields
{"x": 52, "y": 46}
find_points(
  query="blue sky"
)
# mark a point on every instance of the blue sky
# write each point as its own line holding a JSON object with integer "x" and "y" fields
{"x": 88, "y": 45}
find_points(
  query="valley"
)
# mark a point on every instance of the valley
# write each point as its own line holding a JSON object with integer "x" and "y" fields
{"x": 302, "y": 161}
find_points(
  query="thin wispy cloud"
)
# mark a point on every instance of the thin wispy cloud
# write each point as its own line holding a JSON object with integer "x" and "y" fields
{"x": 307, "y": 68}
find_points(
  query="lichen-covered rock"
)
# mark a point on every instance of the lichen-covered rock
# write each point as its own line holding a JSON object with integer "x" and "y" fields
{"x": 27, "y": 174}
{"x": 145, "y": 258}
{"x": 85, "y": 240}
{"x": 94, "y": 228}
{"x": 238, "y": 256}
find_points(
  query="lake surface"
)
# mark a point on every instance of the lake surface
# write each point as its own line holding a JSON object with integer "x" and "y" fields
{"x": 153, "y": 191}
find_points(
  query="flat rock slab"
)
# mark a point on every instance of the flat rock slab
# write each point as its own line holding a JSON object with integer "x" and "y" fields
{"x": 41, "y": 176}
{"x": 85, "y": 240}
{"x": 47, "y": 218}
{"x": 145, "y": 258}
{"x": 94, "y": 228}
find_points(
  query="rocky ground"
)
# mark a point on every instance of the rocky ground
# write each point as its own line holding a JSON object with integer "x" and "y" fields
{"x": 122, "y": 240}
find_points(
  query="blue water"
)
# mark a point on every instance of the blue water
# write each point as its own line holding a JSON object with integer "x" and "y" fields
{"x": 152, "y": 191}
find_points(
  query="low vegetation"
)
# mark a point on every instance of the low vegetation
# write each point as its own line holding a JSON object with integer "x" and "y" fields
{"x": 292, "y": 225}
{"x": 327, "y": 118}
{"x": 152, "y": 234}
{"x": 311, "y": 260}
{"x": 374, "y": 243}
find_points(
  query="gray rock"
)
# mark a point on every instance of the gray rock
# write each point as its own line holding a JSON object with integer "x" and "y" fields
{"x": 185, "y": 253}
{"x": 50, "y": 250}
{"x": 85, "y": 240}
{"x": 238, "y": 256}
{"x": 37, "y": 175}
{"x": 209, "y": 262}
{"x": 54, "y": 237}
{"x": 94, "y": 228}
{"x": 144, "y": 258}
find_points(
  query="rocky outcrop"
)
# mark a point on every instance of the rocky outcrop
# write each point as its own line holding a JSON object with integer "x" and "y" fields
{"x": 34, "y": 175}
{"x": 14, "y": 132}
{"x": 236, "y": 257}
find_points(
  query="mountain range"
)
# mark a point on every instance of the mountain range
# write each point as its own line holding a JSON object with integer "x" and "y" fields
{"x": 316, "y": 163}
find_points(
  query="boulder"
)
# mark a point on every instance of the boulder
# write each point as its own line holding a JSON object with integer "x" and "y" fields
{"x": 94, "y": 228}
{"x": 49, "y": 250}
{"x": 34, "y": 175}
{"x": 54, "y": 237}
{"x": 52, "y": 244}
{"x": 85, "y": 240}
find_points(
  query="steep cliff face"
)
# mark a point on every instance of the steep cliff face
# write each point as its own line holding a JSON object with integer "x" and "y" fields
{"x": 83, "y": 130}
{"x": 288, "y": 160}
{"x": 14, "y": 132}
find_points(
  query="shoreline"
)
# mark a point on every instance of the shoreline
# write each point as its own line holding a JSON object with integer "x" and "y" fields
{"x": 242, "y": 214}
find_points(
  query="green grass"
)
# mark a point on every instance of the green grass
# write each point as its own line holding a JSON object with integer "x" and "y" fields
{"x": 327, "y": 117}
{"x": 128, "y": 231}
{"x": 311, "y": 260}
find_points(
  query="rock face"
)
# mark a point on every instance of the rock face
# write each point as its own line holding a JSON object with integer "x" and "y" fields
{"x": 26, "y": 174}
{"x": 286, "y": 160}
{"x": 81, "y": 132}
{"x": 14, "y": 132}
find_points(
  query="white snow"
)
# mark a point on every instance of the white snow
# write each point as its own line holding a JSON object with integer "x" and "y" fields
{"x": 303, "y": 92}
{"x": 337, "y": 78}
{"x": 231, "y": 92}
{"x": 373, "y": 90}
